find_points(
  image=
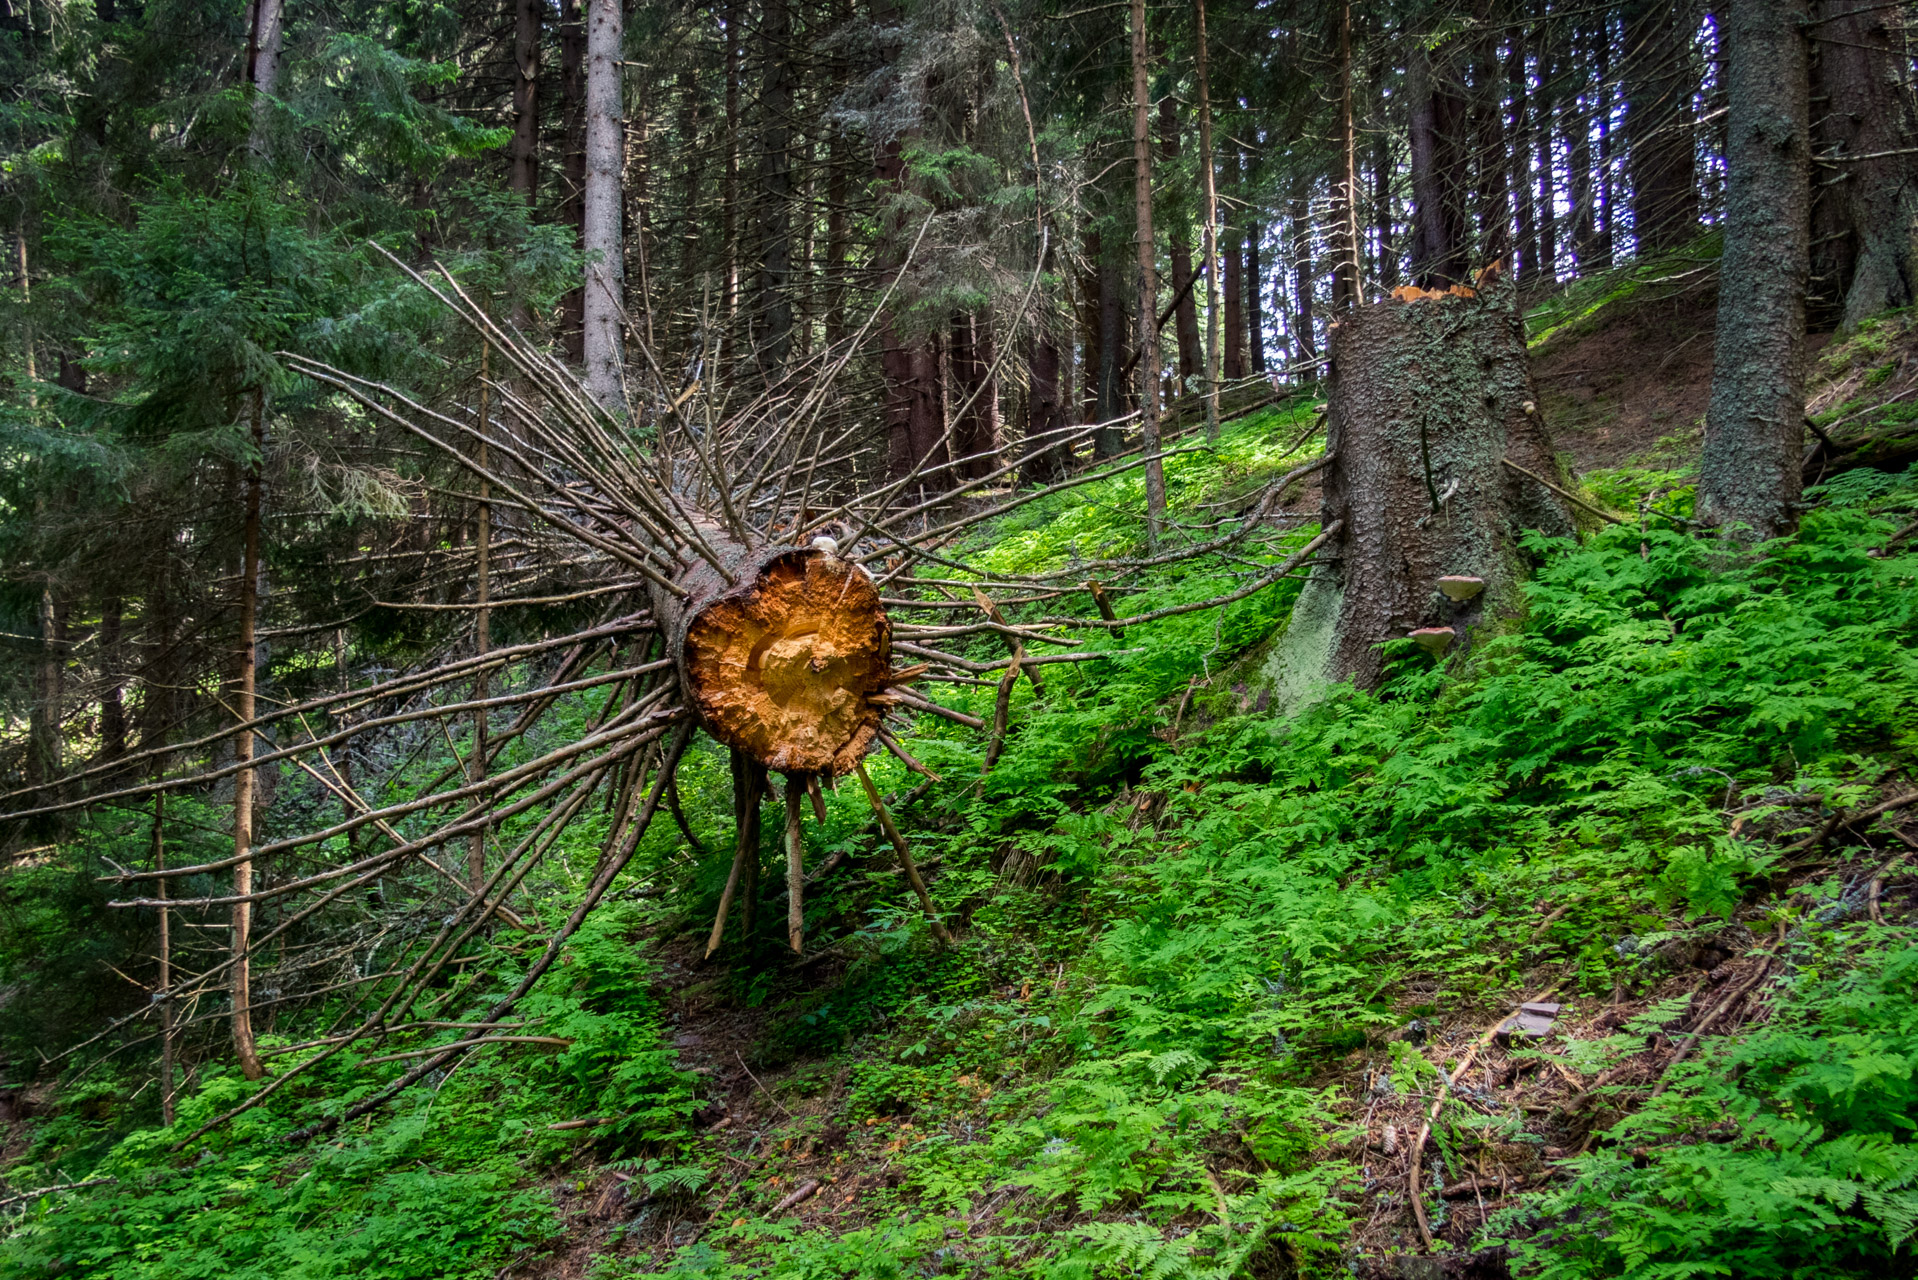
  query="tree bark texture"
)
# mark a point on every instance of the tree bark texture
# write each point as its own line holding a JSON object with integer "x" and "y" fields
{"x": 263, "y": 65}
{"x": 1209, "y": 177}
{"x": 1749, "y": 469}
{"x": 525, "y": 147}
{"x": 1254, "y": 301}
{"x": 1865, "y": 221}
{"x": 1147, "y": 248}
{"x": 1425, "y": 402}
{"x": 601, "y": 230}
{"x": 572, "y": 203}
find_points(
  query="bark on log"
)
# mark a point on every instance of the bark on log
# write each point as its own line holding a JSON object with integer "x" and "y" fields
{"x": 782, "y": 662}
{"x": 1426, "y": 401}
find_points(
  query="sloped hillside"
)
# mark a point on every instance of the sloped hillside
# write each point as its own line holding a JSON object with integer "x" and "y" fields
{"x": 1594, "y": 959}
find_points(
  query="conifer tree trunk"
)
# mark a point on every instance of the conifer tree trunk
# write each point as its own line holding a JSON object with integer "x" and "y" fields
{"x": 1345, "y": 187}
{"x": 524, "y": 176}
{"x": 1304, "y": 276}
{"x": 113, "y": 711}
{"x": 1542, "y": 134}
{"x": 1658, "y": 85}
{"x": 482, "y": 626}
{"x": 601, "y": 230}
{"x": 44, "y": 754}
{"x": 163, "y": 983}
{"x": 1254, "y": 300}
{"x": 1209, "y": 176}
{"x": 975, "y": 394}
{"x": 729, "y": 191}
{"x": 572, "y": 204}
{"x": 263, "y": 65}
{"x": 1147, "y": 246}
{"x": 1865, "y": 221}
{"x": 1045, "y": 411}
{"x": 1233, "y": 361}
{"x": 773, "y": 305}
{"x": 1492, "y": 200}
{"x": 1185, "y": 316}
{"x": 1426, "y": 403}
{"x": 1525, "y": 265}
{"x": 1112, "y": 344}
{"x": 1437, "y": 118}
{"x": 1383, "y": 221}
{"x": 241, "y": 919}
{"x": 1749, "y": 472}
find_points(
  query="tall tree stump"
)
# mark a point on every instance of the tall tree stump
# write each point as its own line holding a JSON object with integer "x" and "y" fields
{"x": 1427, "y": 402}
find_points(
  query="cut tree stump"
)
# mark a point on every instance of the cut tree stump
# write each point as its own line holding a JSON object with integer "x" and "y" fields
{"x": 783, "y": 662}
{"x": 1426, "y": 401}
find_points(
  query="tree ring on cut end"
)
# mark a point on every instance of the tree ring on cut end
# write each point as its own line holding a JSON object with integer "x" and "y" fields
{"x": 783, "y": 666}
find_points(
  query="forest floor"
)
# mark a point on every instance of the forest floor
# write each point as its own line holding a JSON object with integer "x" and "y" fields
{"x": 1227, "y": 995}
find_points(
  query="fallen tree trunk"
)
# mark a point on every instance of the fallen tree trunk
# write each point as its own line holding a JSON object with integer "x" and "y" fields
{"x": 782, "y": 662}
{"x": 1427, "y": 401}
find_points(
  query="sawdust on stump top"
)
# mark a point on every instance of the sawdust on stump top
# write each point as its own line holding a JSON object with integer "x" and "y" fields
{"x": 784, "y": 667}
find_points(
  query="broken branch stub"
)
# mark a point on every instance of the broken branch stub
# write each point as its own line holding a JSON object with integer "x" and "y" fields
{"x": 782, "y": 663}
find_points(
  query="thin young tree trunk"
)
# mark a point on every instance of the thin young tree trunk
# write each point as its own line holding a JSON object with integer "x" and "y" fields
{"x": 975, "y": 392}
{"x": 1345, "y": 189}
{"x": 482, "y": 624}
{"x": 1578, "y": 151}
{"x": 1254, "y": 295}
{"x": 1234, "y": 251}
{"x": 572, "y": 204}
{"x": 1148, "y": 275}
{"x": 524, "y": 178}
{"x": 44, "y": 754}
{"x": 1603, "y": 201}
{"x": 113, "y": 711}
{"x": 1209, "y": 176}
{"x": 163, "y": 985}
{"x": 601, "y": 231}
{"x": 1490, "y": 173}
{"x": 241, "y": 920}
{"x": 1749, "y": 471}
{"x": 1304, "y": 276}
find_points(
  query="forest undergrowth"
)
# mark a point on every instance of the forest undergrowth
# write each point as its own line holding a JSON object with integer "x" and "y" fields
{"x": 1214, "y": 968}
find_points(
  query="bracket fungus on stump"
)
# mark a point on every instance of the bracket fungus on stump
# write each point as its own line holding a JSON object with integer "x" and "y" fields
{"x": 1426, "y": 400}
